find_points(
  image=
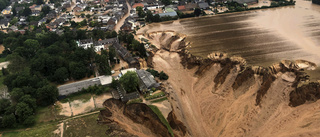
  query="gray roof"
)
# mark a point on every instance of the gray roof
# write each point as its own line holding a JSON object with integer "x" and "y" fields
{"x": 147, "y": 78}
{"x": 171, "y": 14}
{"x": 203, "y": 5}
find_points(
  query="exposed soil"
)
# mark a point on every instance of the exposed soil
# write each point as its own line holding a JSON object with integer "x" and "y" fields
{"x": 221, "y": 96}
{"x": 135, "y": 119}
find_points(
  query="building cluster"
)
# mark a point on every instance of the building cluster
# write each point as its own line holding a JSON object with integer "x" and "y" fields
{"x": 106, "y": 13}
{"x": 97, "y": 45}
{"x": 146, "y": 83}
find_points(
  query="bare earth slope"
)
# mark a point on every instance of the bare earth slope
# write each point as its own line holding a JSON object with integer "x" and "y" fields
{"x": 224, "y": 97}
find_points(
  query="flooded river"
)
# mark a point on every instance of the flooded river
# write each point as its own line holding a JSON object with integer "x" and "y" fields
{"x": 262, "y": 37}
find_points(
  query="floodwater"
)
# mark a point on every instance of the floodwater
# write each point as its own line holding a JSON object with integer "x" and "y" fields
{"x": 262, "y": 37}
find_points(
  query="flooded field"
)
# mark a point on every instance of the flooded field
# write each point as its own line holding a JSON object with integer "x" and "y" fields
{"x": 262, "y": 37}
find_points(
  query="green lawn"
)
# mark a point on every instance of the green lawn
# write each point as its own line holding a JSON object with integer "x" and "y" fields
{"x": 2, "y": 60}
{"x": 157, "y": 95}
{"x": 138, "y": 100}
{"x": 84, "y": 127}
{"x": 159, "y": 100}
{"x": 39, "y": 131}
{"x": 163, "y": 120}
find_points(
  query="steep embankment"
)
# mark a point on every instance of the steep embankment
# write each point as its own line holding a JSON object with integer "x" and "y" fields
{"x": 221, "y": 96}
{"x": 131, "y": 120}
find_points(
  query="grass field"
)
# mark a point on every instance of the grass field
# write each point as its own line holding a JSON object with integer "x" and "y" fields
{"x": 84, "y": 127}
{"x": 163, "y": 120}
{"x": 39, "y": 131}
{"x": 159, "y": 100}
{"x": 2, "y": 60}
{"x": 138, "y": 100}
{"x": 157, "y": 95}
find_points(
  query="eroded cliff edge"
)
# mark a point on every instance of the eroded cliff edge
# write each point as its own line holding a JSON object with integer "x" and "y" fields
{"x": 222, "y": 96}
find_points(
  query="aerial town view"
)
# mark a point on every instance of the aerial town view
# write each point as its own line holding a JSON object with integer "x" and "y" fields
{"x": 160, "y": 68}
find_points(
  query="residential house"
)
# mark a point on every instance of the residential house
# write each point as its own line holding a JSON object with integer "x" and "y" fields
{"x": 77, "y": 9}
{"x": 112, "y": 21}
{"x": 137, "y": 5}
{"x": 35, "y": 13}
{"x": 18, "y": 9}
{"x": 127, "y": 27}
{"x": 203, "y": 5}
{"x": 171, "y": 14}
{"x": 51, "y": 15}
{"x": 34, "y": 23}
{"x": 181, "y": 8}
{"x": 124, "y": 96}
{"x": 146, "y": 81}
{"x": 6, "y": 11}
{"x": 38, "y": 7}
{"x": 42, "y": 21}
{"x": 191, "y": 6}
{"x": 125, "y": 54}
{"x": 85, "y": 43}
{"x": 66, "y": 5}
{"x": 4, "y": 23}
{"x": 97, "y": 45}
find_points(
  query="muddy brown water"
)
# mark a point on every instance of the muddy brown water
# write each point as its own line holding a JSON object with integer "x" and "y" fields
{"x": 262, "y": 37}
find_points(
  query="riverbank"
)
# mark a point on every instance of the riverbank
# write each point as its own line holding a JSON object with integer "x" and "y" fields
{"x": 221, "y": 96}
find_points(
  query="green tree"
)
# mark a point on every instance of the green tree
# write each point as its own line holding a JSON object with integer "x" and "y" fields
{"x": 140, "y": 11}
{"x": 26, "y": 12}
{"x": 29, "y": 121}
{"x": 197, "y": 12}
{"x": 149, "y": 17}
{"x": 88, "y": 16}
{"x": 14, "y": 21}
{"x": 47, "y": 95}
{"x": 163, "y": 76}
{"x": 129, "y": 81}
{"x": 29, "y": 100}
{"x": 45, "y": 10}
{"x": 23, "y": 111}
{"x": 61, "y": 74}
{"x": 166, "y": 2}
{"x": 8, "y": 120}
{"x": 78, "y": 70}
{"x": 4, "y": 104}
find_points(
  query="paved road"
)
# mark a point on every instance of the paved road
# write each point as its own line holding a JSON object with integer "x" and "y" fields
{"x": 121, "y": 21}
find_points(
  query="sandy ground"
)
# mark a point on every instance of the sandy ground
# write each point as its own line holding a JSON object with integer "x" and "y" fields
{"x": 207, "y": 110}
{"x": 100, "y": 99}
{"x": 164, "y": 107}
{"x": 121, "y": 21}
{"x": 77, "y": 107}
{"x": 65, "y": 109}
{"x": 1, "y": 48}
{"x": 80, "y": 107}
{"x": 59, "y": 130}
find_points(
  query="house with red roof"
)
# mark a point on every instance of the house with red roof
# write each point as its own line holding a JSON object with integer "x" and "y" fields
{"x": 137, "y": 5}
{"x": 182, "y": 8}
